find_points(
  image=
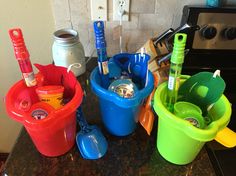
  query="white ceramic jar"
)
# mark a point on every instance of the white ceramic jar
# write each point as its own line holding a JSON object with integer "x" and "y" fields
{"x": 67, "y": 51}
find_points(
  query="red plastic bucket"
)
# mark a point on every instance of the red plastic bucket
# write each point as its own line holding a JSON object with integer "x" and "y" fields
{"x": 53, "y": 135}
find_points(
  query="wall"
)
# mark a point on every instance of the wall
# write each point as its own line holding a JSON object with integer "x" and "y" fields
{"x": 36, "y": 20}
{"x": 148, "y": 18}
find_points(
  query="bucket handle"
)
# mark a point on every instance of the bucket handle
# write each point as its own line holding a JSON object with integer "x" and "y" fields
{"x": 76, "y": 65}
{"x": 13, "y": 112}
{"x": 226, "y": 137}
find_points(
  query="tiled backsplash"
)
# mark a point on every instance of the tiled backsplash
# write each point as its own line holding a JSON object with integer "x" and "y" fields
{"x": 148, "y": 18}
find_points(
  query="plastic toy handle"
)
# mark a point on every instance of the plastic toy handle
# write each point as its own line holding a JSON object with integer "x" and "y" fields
{"x": 177, "y": 55}
{"x": 80, "y": 118}
{"x": 226, "y": 137}
{"x": 18, "y": 42}
{"x": 100, "y": 41}
{"x": 16, "y": 35}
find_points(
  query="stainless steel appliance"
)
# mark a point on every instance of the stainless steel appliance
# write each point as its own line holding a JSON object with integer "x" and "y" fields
{"x": 214, "y": 47}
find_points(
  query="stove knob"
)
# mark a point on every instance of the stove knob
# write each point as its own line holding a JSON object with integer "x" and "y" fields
{"x": 209, "y": 32}
{"x": 229, "y": 33}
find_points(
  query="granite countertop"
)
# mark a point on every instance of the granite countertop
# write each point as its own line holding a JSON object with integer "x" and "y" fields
{"x": 135, "y": 154}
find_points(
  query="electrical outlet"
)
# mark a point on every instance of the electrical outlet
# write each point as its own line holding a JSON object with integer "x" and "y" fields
{"x": 118, "y": 6}
{"x": 98, "y": 10}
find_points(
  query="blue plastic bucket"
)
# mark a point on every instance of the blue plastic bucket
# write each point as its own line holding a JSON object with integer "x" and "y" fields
{"x": 119, "y": 115}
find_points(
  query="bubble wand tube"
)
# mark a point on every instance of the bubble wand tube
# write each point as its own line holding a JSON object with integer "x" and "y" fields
{"x": 22, "y": 55}
{"x": 176, "y": 61}
{"x": 102, "y": 53}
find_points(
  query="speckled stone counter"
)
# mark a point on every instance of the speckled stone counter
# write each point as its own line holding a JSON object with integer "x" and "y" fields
{"x": 135, "y": 154}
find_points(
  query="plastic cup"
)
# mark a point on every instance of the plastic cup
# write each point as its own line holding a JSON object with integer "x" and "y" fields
{"x": 189, "y": 112}
{"x": 53, "y": 95}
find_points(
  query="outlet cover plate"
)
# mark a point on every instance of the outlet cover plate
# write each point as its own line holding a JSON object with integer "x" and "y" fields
{"x": 98, "y": 10}
{"x": 116, "y": 16}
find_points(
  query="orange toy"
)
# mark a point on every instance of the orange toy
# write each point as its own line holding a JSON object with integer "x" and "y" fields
{"x": 146, "y": 116}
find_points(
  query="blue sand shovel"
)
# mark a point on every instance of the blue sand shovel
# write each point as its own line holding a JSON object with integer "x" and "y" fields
{"x": 90, "y": 140}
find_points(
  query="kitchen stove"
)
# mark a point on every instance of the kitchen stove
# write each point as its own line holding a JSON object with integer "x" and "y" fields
{"x": 210, "y": 48}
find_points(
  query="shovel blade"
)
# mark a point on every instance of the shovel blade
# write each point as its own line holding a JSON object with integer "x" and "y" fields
{"x": 146, "y": 119}
{"x": 92, "y": 144}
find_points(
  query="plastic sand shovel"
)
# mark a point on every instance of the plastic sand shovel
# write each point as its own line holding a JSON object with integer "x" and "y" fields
{"x": 139, "y": 67}
{"x": 146, "y": 116}
{"x": 136, "y": 65}
{"x": 90, "y": 140}
{"x": 202, "y": 89}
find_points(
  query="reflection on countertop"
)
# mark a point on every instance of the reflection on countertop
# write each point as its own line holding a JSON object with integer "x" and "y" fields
{"x": 135, "y": 154}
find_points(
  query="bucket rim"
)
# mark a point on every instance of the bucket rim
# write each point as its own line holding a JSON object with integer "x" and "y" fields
{"x": 57, "y": 114}
{"x": 25, "y": 119}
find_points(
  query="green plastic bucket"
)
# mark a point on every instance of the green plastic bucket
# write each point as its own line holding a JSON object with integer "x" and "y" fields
{"x": 178, "y": 141}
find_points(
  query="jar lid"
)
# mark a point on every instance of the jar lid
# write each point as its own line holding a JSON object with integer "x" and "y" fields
{"x": 40, "y": 110}
{"x": 66, "y": 36}
{"x": 51, "y": 89}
